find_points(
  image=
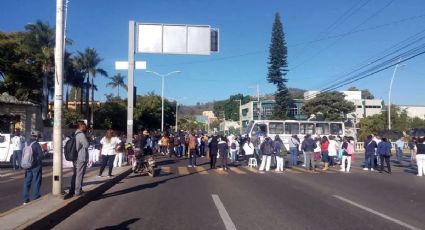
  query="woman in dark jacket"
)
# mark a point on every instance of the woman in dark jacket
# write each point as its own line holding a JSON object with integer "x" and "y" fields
{"x": 223, "y": 152}
{"x": 384, "y": 151}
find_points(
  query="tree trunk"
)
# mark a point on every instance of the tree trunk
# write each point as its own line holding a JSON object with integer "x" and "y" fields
{"x": 92, "y": 102}
{"x": 87, "y": 99}
{"x": 81, "y": 98}
{"x": 45, "y": 99}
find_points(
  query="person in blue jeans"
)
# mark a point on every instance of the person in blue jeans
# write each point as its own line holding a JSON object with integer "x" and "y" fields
{"x": 33, "y": 174}
{"x": 293, "y": 149}
{"x": 370, "y": 149}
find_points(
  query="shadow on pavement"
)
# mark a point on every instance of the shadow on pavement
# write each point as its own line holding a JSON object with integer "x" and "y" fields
{"x": 124, "y": 225}
{"x": 142, "y": 186}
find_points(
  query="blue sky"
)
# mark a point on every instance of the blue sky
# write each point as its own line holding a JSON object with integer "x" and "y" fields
{"x": 245, "y": 30}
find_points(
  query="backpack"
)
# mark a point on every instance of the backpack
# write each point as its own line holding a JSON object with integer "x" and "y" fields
{"x": 27, "y": 157}
{"x": 350, "y": 148}
{"x": 233, "y": 145}
{"x": 70, "y": 149}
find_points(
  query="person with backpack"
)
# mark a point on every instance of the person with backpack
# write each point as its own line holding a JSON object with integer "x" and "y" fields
{"x": 192, "y": 150}
{"x": 109, "y": 145}
{"x": 80, "y": 159}
{"x": 384, "y": 151}
{"x": 347, "y": 150}
{"x": 370, "y": 148}
{"x": 267, "y": 150}
{"x": 223, "y": 152}
{"x": 32, "y": 156}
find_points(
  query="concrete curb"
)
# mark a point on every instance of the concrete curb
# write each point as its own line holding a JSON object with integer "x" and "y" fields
{"x": 64, "y": 208}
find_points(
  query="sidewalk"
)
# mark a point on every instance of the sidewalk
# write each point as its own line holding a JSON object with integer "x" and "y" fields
{"x": 49, "y": 210}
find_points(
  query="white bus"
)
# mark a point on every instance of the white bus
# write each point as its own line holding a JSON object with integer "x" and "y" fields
{"x": 286, "y": 128}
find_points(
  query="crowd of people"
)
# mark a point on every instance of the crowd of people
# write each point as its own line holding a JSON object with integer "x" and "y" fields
{"x": 312, "y": 152}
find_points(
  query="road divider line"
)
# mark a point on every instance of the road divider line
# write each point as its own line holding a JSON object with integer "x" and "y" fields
{"x": 183, "y": 171}
{"x": 399, "y": 222}
{"x": 236, "y": 170}
{"x": 201, "y": 170}
{"x": 228, "y": 223}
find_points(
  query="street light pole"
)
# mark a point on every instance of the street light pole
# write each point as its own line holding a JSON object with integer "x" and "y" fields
{"x": 177, "y": 111}
{"x": 162, "y": 92}
{"x": 389, "y": 96}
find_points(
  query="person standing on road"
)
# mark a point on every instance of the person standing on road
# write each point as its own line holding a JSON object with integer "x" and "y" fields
{"x": 18, "y": 143}
{"x": 80, "y": 165}
{"x": 370, "y": 149}
{"x": 412, "y": 147}
{"x": 279, "y": 153}
{"x": 332, "y": 147}
{"x": 33, "y": 174}
{"x": 223, "y": 152}
{"x": 213, "y": 150}
{"x": 384, "y": 151}
{"x": 347, "y": 150}
{"x": 399, "y": 151}
{"x": 233, "y": 146}
{"x": 119, "y": 150}
{"x": 266, "y": 150}
{"x": 192, "y": 150}
{"x": 308, "y": 147}
{"x": 293, "y": 149}
{"x": 109, "y": 144}
{"x": 324, "y": 145}
{"x": 420, "y": 156}
{"x": 249, "y": 149}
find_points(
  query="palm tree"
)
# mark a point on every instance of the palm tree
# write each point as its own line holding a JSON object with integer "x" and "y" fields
{"x": 88, "y": 61}
{"x": 40, "y": 39}
{"x": 74, "y": 76}
{"x": 117, "y": 81}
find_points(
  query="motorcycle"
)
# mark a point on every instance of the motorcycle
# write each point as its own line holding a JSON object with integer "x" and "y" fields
{"x": 144, "y": 165}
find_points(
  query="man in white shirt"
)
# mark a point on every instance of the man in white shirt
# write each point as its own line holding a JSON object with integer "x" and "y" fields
{"x": 18, "y": 143}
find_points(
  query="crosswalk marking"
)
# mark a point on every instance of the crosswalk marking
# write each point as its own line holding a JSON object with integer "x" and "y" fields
{"x": 221, "y": 172}
{"x": 201, "y": 170}
{"x": 254, "y": 170}
{"x": 166, "y": 169}
{"x": 236, "y": 170}
{"x": 183, "y": 170}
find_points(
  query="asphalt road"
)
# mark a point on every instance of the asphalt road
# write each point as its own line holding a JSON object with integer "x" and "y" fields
{"x": 242, "y": 198}
{"x": 11, "y": 184}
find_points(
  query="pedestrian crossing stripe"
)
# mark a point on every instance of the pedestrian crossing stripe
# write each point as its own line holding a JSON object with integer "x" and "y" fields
{"x": 201, "y": 170}
{"x": 166, "y": 169}
{"x": 236, "y": 170}
{"x": 183, "y": 171}
{"x": 221, "y": 172}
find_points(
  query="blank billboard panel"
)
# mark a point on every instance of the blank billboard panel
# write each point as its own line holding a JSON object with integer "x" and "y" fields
{"x": 175, "y": 39}
{"x": 199, "y": 40}
{"x": 149, "y": 38}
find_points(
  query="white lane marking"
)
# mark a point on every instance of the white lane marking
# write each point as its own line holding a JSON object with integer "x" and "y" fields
{"x": 399, "y": 222}
{"x": 228, "y": 223}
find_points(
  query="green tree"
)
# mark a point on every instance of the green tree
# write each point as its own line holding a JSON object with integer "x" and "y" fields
{"x": 331, "y": 105}
{"x": 40, "y": 40}
{"x": 366, "y": 94}
{"x": 89, "y": 61}
{"x": 110, "y": 114}
{"x": 147, "y": 113}
{"x": 229, "y": 108}
{"x": 117, "y": 81}
{"x": 277, "y": 69}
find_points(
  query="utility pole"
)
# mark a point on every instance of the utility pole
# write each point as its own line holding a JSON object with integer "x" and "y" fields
{"x": 389, "y": 95}
{"x": 58, "y": 103}
{"x": 130, "y": 80}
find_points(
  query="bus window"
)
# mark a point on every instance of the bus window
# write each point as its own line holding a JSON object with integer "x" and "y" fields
{"x": 259, "y": 130}
{"x": 322, "y": 129}
{"x": 307, "y": 128}
{"x": 292, "y": 128}
{"x": 276, "y": 127}
{"x": 336, "y": 129}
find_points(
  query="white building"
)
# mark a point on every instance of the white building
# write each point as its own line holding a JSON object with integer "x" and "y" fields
{"x": 414, "y": 110}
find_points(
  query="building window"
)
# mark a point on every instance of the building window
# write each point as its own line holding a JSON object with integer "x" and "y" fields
{"x": 292, "y": 128}
{"x": 359, "y": 106}
{"x": 276, "y": 127}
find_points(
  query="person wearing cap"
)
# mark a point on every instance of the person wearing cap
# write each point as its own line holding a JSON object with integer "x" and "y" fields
{"x": 33, "y": 174}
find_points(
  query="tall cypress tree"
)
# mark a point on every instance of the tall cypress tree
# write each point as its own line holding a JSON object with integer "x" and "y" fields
{"x": 277, "y": 69}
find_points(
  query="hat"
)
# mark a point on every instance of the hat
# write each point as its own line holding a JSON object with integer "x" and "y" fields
{"x": 145, "y": 132}
{"x": 35, "y": 133}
